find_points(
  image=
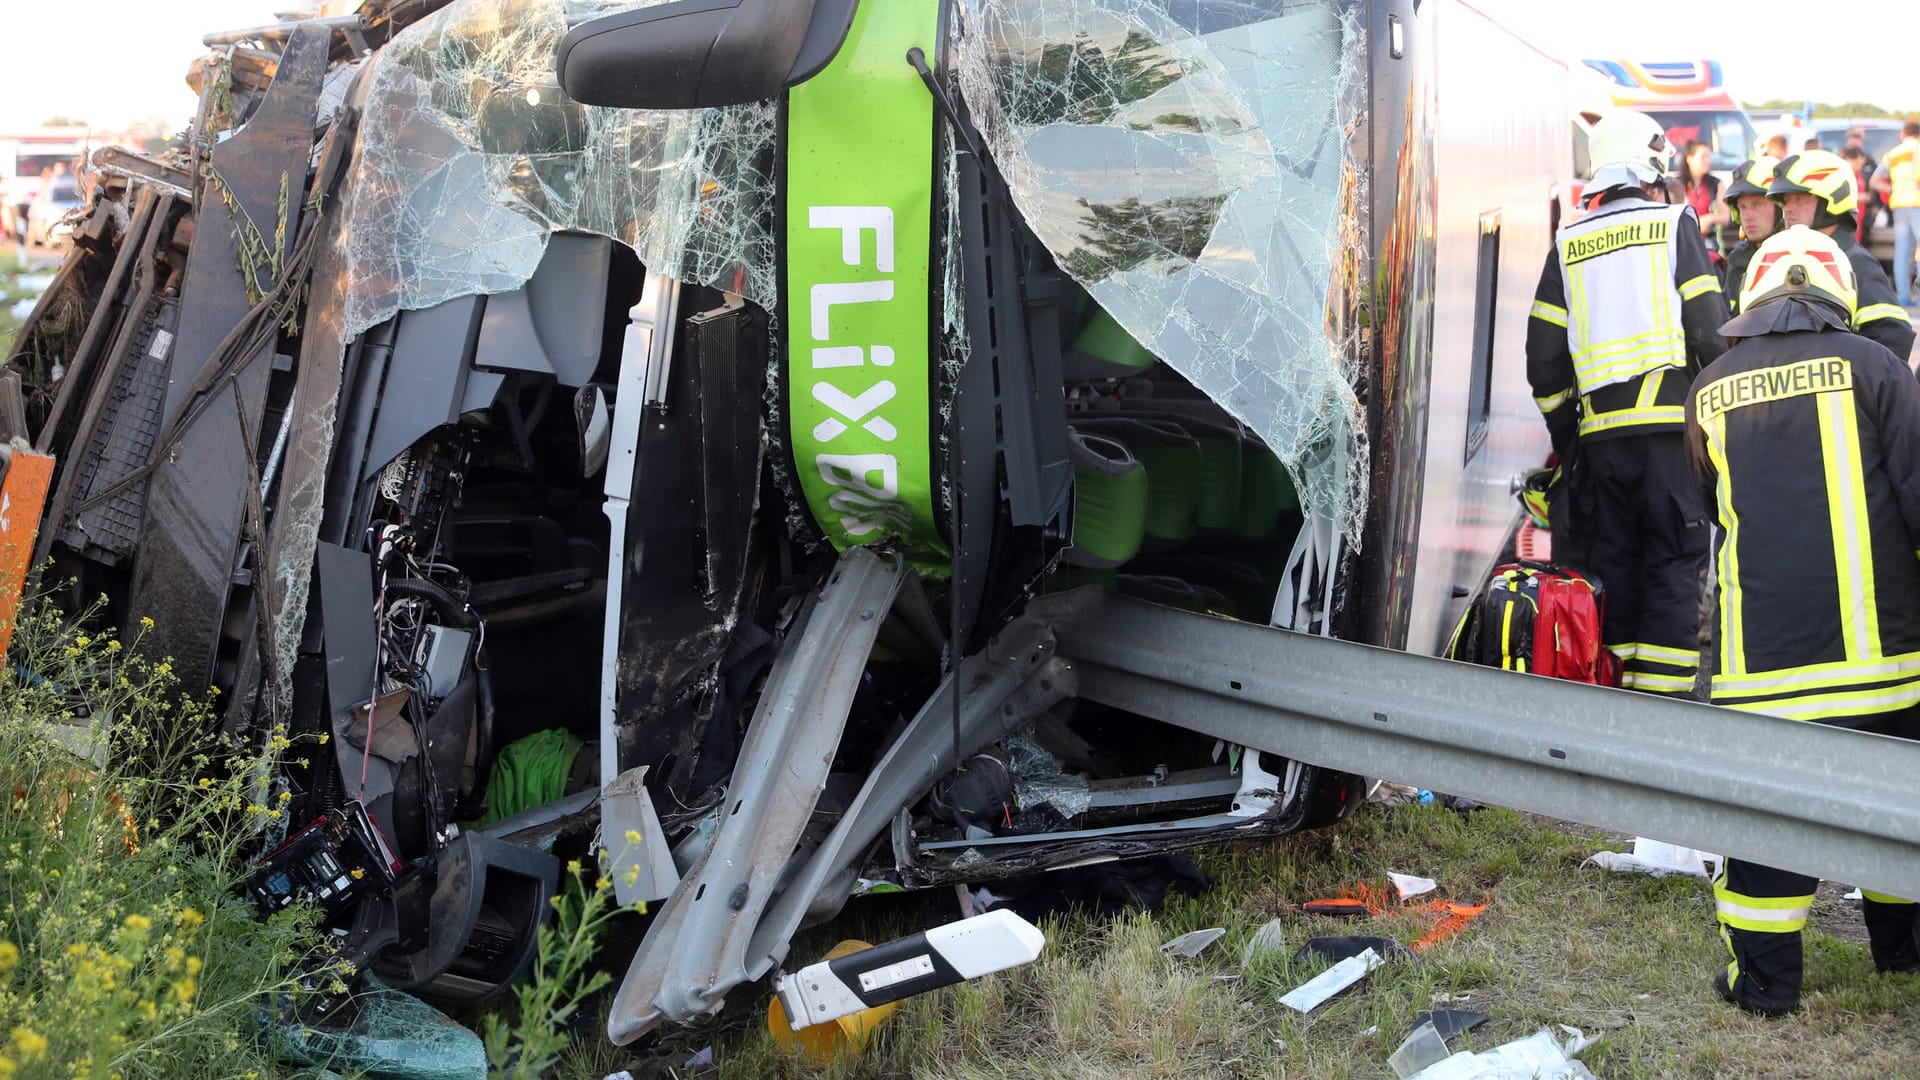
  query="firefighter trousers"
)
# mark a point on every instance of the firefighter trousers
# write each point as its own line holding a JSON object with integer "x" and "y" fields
{"x": 1762, "y": 911}
{"x": 1636, "y": 524}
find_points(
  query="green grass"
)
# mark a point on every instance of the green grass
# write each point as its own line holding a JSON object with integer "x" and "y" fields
{"x": 11, "y": 269}
{"x": 1625, "y": 956}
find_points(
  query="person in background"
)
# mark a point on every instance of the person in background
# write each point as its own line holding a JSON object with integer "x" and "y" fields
{"x": 1777, "y": 147}
{"x": 1899, "y": 182}
{"x": 1627, "y": 310}
{"x": 1857, "y": 158}
{"x": 1702, "y": 191}
{"x": 1806, "y": 438}
{"x": 1816, "y": 189}
{"x": 1813, "y": 143}
{"x": 1857, "y": 140}
{"x": 1753, "y": 214}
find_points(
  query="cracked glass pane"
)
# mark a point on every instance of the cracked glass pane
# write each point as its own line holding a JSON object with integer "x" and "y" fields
{"x": 1187, "y": 162}
{"x": 470, "y": 155}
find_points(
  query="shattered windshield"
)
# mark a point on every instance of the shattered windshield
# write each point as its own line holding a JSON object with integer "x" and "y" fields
{"x": 470, "y": 155}
{"x": 1186, "y": 161}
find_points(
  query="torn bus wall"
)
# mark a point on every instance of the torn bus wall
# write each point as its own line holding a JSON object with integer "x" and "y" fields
{"x": 1192, "y": 172}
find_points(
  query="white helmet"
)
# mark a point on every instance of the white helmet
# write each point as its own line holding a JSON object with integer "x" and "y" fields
{"x": 1627, "y": 149}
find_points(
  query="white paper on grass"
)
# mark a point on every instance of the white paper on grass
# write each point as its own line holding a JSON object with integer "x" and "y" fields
{"x": 1539, "y": 1056}
{"x": 1658, "y": 858}
{"x": 1311, "y": 994}
{"x": 1410, "y": 886}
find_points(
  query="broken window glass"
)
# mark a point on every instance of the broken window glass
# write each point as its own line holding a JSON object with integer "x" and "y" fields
{"x": 1187, "y": 162}
{"x": 470, "y": 155}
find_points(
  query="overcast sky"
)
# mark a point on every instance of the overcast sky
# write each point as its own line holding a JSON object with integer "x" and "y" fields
{"x": 111, "y": 62}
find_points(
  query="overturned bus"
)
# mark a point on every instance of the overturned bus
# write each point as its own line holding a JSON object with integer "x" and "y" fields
{"x": 693, "y": 405}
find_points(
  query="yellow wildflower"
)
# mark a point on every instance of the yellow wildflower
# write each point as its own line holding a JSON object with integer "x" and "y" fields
{"x": 185, "y": 989}
{"x": 83, "y": 641}
{"x": 602, "y": 885}
{"x": 633, "y": 836}
{"x": 139, "y": 922}
{"x": 146, "y": 623}
{"x": 30, "y": 1043}
{"x": 194, "y": 965}
{"x": 573, "y": 866}
{"x": 9, "y": 956}
{"x": 191, "y": 917}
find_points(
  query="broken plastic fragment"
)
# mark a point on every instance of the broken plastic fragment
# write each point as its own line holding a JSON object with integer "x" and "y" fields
{"x": 1451, "y": 1022}
{"x": 1194, "y": 942}
{"x": 1424, "y": 1048}
{"x": 1270, "y": 938}
{"x": 1341, "y": 947}
{"x": 1313, "y": 993}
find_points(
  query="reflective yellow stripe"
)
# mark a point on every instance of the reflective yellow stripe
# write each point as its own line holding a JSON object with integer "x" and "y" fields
{"x": 1552, "y": 313}
{"x": 1663, "y": 414}
{"x": 1622, "y": 344}
{"x": 1733, "y": 647}
{"x": 1663, "y": 290}
{"x": 1553, "y": 401}
{"x": 1847, "y": 520}
{"x": 1592, "y": 374}
{"x": 1880, "y": 311}
{"x": 1761, "y": 914}
{"x": 1665, "y": 684}
{"x": 1660, "y": 654}
{"x": 1869, "y": 701}
{"x": 1650, "y": 389}
{"x": 1882, "y": 898}
{"x": 1624, "y": 652}
{"x": 1693, "y": 287}
{"x": 1876, "y": 671}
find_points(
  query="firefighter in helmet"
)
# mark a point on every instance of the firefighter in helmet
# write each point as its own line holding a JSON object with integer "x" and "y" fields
{"x": 1753, "y": 214}
{"x": 1806, "y": 439}
{"x": 1628, "y": 309}
{"x": 1815, "y": 188}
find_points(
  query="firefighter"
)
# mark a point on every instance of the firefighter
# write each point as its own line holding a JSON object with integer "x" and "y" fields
{"x": 1816, "y": 189}
{"x": 1806, "y": 438}
{"x": 1627, "y": 310}
{"x": 1753, "y": 214}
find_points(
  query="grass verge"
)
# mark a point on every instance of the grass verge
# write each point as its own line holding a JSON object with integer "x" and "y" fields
{"x": 1626, "y": 956}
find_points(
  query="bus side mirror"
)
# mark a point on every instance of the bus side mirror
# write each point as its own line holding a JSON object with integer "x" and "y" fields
{"x": 701, "y": 54}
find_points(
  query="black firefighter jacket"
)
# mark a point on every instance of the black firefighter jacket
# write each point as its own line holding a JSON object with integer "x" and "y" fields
{"x": 1877, "y": 315}
{"x": 1807, "y": 444}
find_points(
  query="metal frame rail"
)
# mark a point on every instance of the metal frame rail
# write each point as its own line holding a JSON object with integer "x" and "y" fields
{"x": 1821, "y": 800}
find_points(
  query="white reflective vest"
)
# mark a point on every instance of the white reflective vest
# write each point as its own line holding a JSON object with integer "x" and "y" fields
{"x": 1623, "y": 306}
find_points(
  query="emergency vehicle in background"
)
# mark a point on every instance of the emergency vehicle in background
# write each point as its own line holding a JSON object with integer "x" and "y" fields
{"x": 1688, "y": 97}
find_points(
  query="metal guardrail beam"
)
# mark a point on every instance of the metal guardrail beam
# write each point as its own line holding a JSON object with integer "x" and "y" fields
{"x": 1821, "y": 800}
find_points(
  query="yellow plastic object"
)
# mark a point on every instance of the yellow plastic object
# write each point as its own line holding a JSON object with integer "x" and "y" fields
{"x": 820, "y": 1044}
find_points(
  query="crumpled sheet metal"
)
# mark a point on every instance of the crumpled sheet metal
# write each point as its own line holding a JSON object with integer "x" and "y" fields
{"x": 1192, "y": 171}
{"x": 470, "y": 155}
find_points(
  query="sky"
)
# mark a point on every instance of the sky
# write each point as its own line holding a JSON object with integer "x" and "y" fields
{"x": 113, "y": 62}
